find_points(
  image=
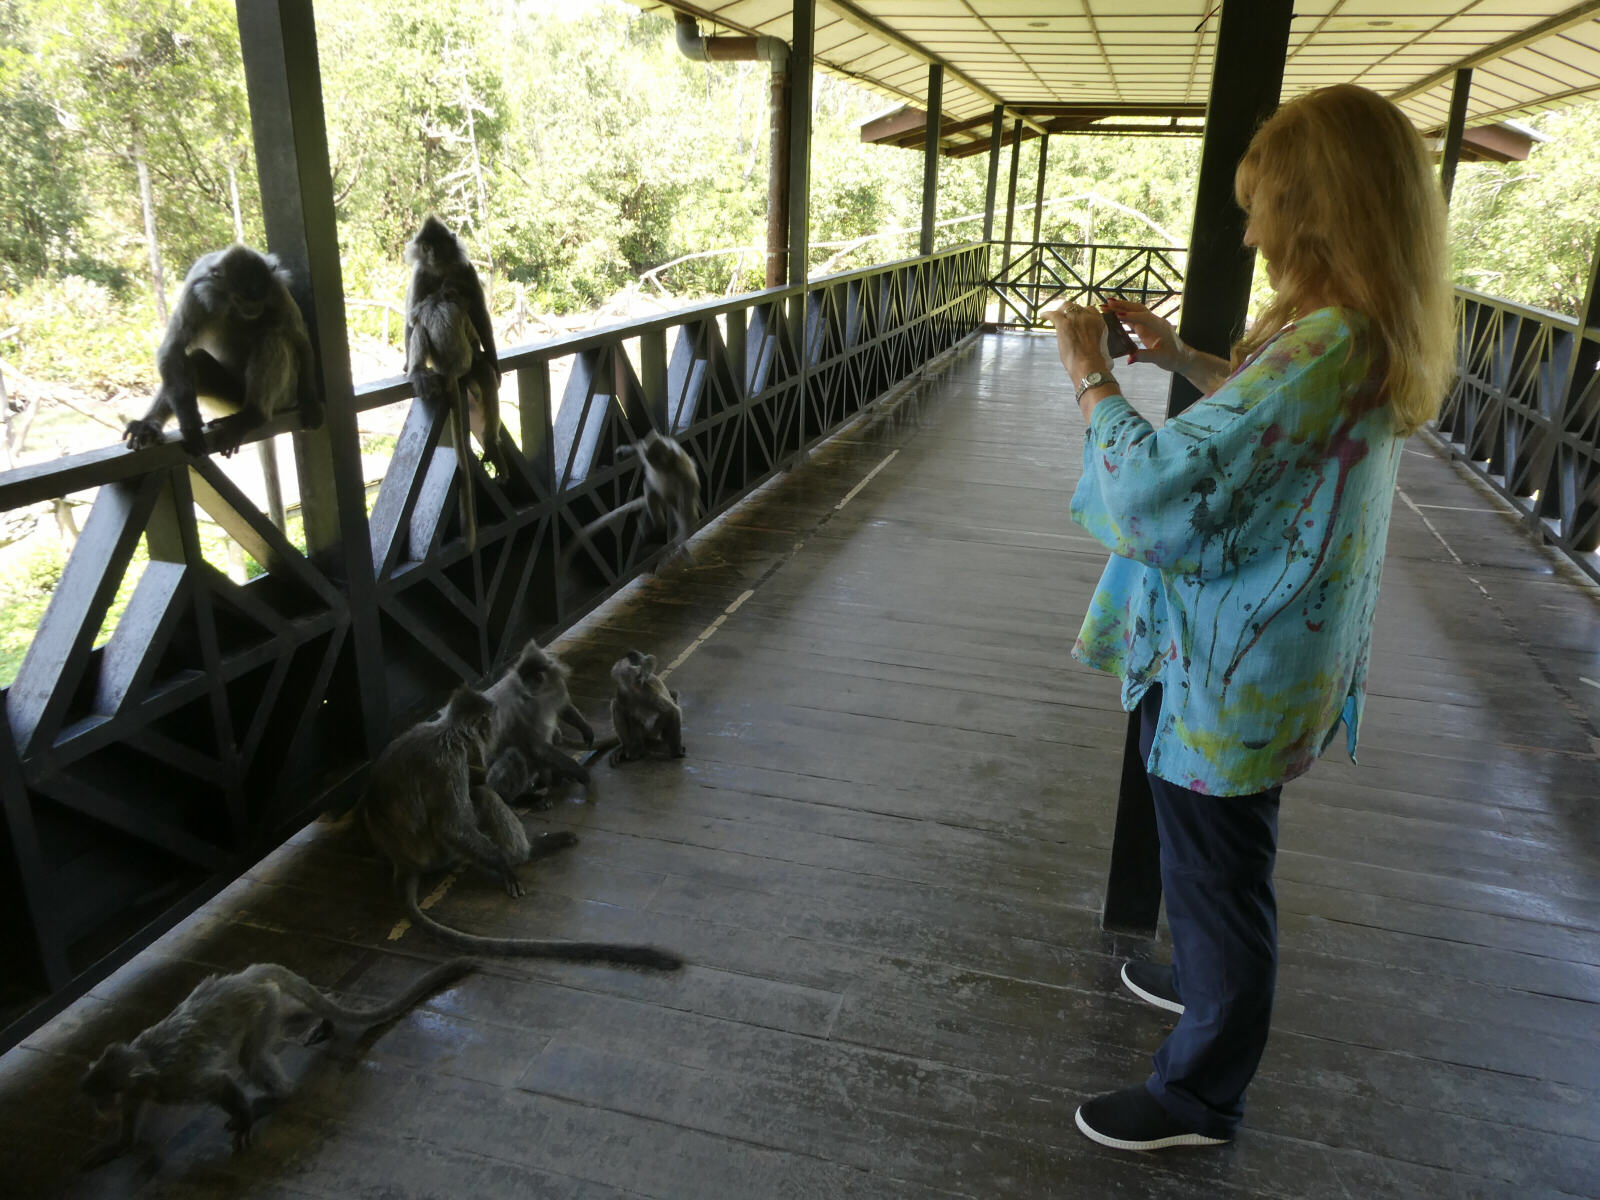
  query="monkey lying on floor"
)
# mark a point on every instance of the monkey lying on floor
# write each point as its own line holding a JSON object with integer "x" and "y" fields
{"x": 225, "y": 1032}
{"x": 425, "y": 814}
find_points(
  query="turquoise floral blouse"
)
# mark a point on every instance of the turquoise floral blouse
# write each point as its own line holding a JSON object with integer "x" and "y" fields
{"x": 1247, "y": 537}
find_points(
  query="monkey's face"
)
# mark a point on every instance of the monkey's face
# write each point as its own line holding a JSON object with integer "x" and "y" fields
{"x": 241, "y": 280}
{"x": 109, "y": 1076}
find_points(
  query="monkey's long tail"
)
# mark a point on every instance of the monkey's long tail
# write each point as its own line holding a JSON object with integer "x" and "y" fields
{"x": 461, "y": 431}
{"x": 314, "y": 999}
{"x": 610, "y": 742}
{"x": 585, "y": 535}
{"x": 633, "y": 956}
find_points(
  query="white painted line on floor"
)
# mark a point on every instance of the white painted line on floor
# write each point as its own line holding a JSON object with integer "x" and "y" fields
{"x": 743, "y": 596}
{"x": 855, "y": 491}
{"x": 428, "y": 901}
{"x": 1590, "y": 682}
{"x": 1433, "y": 529}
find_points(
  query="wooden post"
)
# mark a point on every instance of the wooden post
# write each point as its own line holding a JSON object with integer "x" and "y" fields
{"x": 930, "y": 157}
{"x": 1252, "y": 44}
{"x": 996, "y": 128}
{"x": 278, "y": 39}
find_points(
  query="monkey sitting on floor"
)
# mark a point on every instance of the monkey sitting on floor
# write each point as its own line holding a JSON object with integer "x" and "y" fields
{"x": 425, "y": 814}
{"x": 644, "y": 713}
{"x": 236, "y": 340}
{"x": 531, "y": 702}
{"x": 225, "y": 1033}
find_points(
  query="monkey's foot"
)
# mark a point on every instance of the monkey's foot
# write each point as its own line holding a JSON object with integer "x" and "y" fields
{"x": 513, "y": 887}
{"x": 243, "y": 1132}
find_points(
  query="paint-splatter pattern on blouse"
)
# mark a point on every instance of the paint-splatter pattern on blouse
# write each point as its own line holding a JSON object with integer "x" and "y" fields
{"x": 1247, "y": 537}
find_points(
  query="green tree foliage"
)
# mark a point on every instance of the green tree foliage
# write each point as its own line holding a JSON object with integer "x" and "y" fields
{"x": 1526, "y": 231}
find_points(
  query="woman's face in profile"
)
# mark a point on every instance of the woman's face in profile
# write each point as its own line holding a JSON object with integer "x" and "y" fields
{"x": 1250, "y": 239}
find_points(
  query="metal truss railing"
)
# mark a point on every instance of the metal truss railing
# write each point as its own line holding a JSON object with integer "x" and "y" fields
{"x": 1524, "y": 415}
{"x": 1034, "y": 277}
{"x": 147, "y": 768}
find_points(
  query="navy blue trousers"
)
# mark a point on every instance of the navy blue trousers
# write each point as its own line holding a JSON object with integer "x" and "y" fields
{"x": 1217, "y": 854}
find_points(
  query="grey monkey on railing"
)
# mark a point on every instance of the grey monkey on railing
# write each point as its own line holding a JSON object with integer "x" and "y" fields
{"x": 237, "y": 340}
{"x": 671, "y": 500}
{"x": 224, "y": 1033}
{"x": 531, "y": 702}
{"x": 425, "y": 814}
{"x": 450, "y": 347}
{"x": 644, "y": 712}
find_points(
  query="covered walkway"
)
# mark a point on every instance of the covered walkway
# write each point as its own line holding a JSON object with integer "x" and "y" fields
{"x": 884, "y": 858}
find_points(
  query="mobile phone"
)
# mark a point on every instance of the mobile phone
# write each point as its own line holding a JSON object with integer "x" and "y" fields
{"x": 1117, "y": 340}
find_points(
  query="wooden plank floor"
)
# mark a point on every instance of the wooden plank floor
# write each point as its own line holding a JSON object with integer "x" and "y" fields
{"x": 884, "y": 858}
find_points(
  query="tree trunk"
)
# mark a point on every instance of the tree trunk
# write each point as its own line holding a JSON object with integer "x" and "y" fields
{"x": 147, "y": 202}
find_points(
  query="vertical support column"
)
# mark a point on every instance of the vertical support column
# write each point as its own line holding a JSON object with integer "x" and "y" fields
{"x": 1252, "y": 43}
{"x": 996, "y": 128}
{"x": 1003, "y": 276}
{"x": 802, "y": 48}
{"x": 930, "y": 157}
{"x": 801, "y": 51}
{"x": 278, "y": 39}
{"x": 1450, "y": 152}
{"x": 1038, "y": 224}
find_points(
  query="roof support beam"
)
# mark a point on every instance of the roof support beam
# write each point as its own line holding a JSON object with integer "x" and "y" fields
{"x": 889, "y": 34}
{"x": 1576, "y": 15}
{"x": 1451, "y": 151}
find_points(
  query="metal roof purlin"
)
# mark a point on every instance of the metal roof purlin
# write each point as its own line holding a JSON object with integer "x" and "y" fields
{"x": 1575, "y": 15}
{"x": 890, "y": 35}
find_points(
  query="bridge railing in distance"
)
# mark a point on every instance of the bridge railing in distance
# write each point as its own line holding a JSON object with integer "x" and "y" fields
{"x": 1524, "y": 416}
{"x": 161, "y": 742}
{"x": 1035, "y": 277}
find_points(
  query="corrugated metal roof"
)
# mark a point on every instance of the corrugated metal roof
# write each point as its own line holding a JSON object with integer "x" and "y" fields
{"x": 1033, "y": 55}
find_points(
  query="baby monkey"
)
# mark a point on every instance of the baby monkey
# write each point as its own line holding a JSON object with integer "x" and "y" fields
{"x": 226, "y": 1032}
{"x": 644, "y": 713}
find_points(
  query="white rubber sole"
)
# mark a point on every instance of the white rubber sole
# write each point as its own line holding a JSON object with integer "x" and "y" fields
{"x": 1177, "y": 1139}
{"x": 1149, "y": 997}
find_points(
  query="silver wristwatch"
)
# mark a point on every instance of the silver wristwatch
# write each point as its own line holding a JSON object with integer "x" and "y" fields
{"x": 1094, "y": 379}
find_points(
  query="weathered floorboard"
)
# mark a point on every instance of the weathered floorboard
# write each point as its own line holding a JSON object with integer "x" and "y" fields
{"x": 884, "y": 857}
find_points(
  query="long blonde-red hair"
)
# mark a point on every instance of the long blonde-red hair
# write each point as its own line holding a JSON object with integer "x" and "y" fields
{"x": 1345, "y": 206}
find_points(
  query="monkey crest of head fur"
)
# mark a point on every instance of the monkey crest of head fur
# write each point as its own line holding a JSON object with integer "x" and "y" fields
{"x": 243, "y": 278}
{"x": 536, "y": 666}
{"x": 434, "y": 244}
